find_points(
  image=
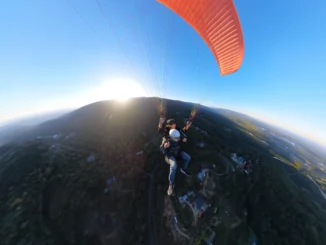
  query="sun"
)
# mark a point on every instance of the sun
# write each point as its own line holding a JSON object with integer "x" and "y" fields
{"x": 119, "y": 89}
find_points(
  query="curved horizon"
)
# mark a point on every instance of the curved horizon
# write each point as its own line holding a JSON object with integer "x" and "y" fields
{"x": 61, "y": 54}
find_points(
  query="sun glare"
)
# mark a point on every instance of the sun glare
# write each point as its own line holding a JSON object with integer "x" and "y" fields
{"x": 120, "y": 89}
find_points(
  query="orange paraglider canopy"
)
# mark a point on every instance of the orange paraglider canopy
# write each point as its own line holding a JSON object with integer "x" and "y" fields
{"x": 218, "y": 24}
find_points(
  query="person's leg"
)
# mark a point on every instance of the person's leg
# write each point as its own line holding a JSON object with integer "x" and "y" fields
{"x": 173, "y": 167}
{"x": 185, "y": 159}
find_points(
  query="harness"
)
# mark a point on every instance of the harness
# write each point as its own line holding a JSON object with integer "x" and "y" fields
{"x": 175, "y": 146}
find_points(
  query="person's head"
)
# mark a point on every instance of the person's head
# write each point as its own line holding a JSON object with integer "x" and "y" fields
{"x": 174, "y": 134}
{"x": 171, "y": 123}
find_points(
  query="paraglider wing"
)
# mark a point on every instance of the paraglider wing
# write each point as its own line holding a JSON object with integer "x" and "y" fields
{"x": 218, "y": 24}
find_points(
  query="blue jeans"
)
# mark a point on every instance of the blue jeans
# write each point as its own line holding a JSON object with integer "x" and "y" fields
{"x": 173, "y": 163}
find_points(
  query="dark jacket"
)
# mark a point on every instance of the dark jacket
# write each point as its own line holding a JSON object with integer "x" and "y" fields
{"x": 175, "y": 146}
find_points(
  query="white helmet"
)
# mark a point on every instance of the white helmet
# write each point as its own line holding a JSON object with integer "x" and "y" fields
{"x": 174, "y": 134}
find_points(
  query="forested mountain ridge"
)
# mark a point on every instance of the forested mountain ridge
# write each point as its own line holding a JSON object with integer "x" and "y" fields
{"x": 96, "y": 176}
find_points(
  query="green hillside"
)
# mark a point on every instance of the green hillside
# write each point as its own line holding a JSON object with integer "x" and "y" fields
{"x": 96, "y": 176}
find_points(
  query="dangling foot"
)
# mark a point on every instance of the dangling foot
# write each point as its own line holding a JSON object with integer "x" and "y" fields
{"x": 171, "y": 188}
{"x": 185, "y": 172}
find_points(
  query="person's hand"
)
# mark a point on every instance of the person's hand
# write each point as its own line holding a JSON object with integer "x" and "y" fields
{"x": 187, "y": 126}
{"x": 166, "y": 145}
{"x": 184, "y": 140}
{"x": 162, "y": 120}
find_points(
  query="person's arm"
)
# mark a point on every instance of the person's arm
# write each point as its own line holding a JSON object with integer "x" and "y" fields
{"x": 183, "y": 136}
{"x": 188, "y": 125}
{"x": 166, "y": 132}
{"x": 160, "y": 124}
{"x": 164, "y": 146}
{"x": 162, "y": 149}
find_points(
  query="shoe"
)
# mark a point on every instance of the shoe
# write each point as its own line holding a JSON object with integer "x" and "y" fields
{"x": 171, "y": 189}
{"x": 185, "y": 172}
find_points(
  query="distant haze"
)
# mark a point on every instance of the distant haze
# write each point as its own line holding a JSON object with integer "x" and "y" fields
{"x": 38, "y": 118}
{"x": 32, "y": 120}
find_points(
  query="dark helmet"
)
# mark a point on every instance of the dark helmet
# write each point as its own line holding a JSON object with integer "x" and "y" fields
{"x": 170, "y": 122}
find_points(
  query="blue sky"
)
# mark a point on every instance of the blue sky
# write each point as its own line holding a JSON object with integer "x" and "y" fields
{"x": 63, "y": 53}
